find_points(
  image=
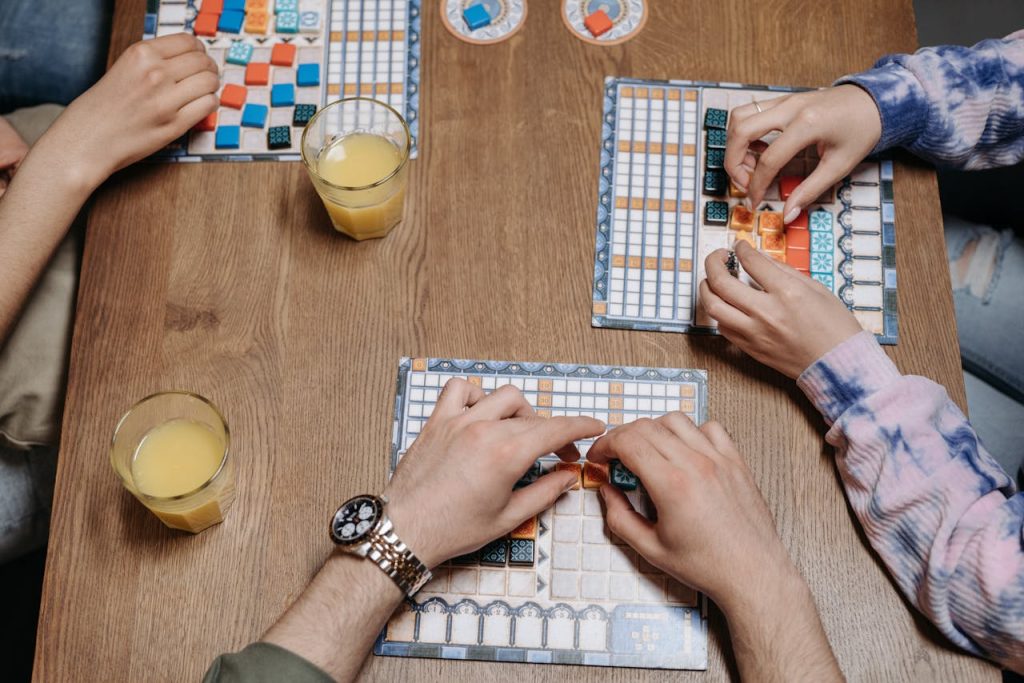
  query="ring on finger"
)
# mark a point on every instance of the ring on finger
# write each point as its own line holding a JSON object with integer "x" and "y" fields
{"x": 757, "y": 106}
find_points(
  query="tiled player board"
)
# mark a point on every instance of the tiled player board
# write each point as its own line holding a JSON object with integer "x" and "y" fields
{"x": 665, "y": 203}
{"x": 281, "y": 60}
{"x": 560, "y": 589}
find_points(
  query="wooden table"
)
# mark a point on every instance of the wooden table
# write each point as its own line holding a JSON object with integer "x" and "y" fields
{"x": 226, "y": 279}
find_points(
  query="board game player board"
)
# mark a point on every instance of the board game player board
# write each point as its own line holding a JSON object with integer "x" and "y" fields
{"x": 604, "y": 22}
{"x": 284, "y": 59}
{"x": 560, "y": 589}
{"x": 665, "y": 203}
{"x": 503, "y": 18}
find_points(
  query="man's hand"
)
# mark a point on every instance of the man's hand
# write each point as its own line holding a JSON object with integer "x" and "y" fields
{"x": 789, "y": 325}
{"x": 452, "y": 492}
{"x": 12, "y": 150}
{"x": 843, "y": 123}
{"x": 153, "y": 94}
{"x": 714, "y": 531}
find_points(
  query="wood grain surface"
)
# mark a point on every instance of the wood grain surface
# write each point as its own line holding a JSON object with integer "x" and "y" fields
{"x": 227, "y": 280}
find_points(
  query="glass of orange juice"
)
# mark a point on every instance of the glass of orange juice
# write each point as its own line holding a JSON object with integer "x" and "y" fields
{"x": 171, "y": 451}
{"x": 357, "y": 151}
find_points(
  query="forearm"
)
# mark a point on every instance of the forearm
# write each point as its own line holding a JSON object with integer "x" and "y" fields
{"x": 777, "y": 635}
{"x": 35, "y": 212}
{"x": 956, "y": 106}
{"x": 337, "y": 619}
{"x": 938, "y": 510}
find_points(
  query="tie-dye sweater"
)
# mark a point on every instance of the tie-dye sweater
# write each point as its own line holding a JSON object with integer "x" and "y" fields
{"x": 942, "y": 514}
{"x": 958, "y": 107}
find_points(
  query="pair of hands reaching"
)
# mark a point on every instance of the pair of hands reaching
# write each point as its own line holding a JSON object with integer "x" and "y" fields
{"x": 453, "y": 491}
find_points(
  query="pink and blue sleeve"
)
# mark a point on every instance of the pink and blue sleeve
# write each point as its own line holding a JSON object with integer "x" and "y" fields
{"x": 959, "y": 107}
{"x": 938, "y": 509}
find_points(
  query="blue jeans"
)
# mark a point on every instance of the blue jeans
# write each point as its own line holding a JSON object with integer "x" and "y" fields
{"x": 51, "y": 50}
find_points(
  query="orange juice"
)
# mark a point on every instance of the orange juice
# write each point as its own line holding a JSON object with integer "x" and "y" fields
{"x": 367, "y": 162}
{"x": 177, "y": 459}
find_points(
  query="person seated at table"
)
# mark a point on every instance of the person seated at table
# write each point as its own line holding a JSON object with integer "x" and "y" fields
{"x": 454, "y": 491}
{"x": 154, "y": 93}
{"x": 942, "y": 514}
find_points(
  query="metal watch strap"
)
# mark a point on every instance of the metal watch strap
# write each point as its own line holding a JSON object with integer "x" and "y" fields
{"x": 396, "y": 560}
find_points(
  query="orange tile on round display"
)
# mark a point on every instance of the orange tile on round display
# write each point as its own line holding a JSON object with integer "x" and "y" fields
{"x": 282, "y": 54}
{"x": 233, "y": 96}
{"x": 257, "y": 73}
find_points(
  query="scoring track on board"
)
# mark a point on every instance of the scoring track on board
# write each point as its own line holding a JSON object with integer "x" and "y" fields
{"x": 352, "y": 47}
{"x": 665, "y": 203}
{"x": 560, "y": 588}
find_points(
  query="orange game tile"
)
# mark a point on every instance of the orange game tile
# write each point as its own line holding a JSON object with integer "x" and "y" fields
{"x": 209, "y": 123}
{"x": 769, "y": 221}
{"x": 211, "y": 6}
{"x": 257, "y": 73}
{"x": 787, "y": 184}
{"x": 799, "y": 222}
{"x": 571, "y": 466}
{"x": 799, "y": 258}
{"x": 779, "y": 256}
{"x": 598, "y": 23}
{"x": 282, "y": 54}
{"x": 256, "y": 20}
{"x": 527, "y": 530}
{"x": 594, "y": 475}
{"x": 797, "y": 238}
{"x": 734, "y": 190}
{"x": 205, "y": 24}
{"x": 233, "y": 96}
{"x": 773, "y": 241}
{"x": 741, "y": 218}
{"x": 744, "y": 236}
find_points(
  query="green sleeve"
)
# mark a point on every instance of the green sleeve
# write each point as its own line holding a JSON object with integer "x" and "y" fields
{"x": 264, "y": 663}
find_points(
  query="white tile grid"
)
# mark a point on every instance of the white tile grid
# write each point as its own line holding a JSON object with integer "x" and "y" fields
{"x": 638, "y": 292}
{"x": 378, "y": 62}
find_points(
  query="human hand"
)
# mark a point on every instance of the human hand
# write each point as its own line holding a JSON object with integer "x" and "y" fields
{"x": 713, "y": 530}
{"x": 12, "y": 150}
{"x": 153, "y": 94}
{"x": 789, "y": 325}
{"x": 843, "y": 122}
{"x": 452, "y": 492}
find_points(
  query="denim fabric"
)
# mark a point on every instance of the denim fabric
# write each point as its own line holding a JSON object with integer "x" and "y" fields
{"x": 51, "y": 50}
{"x": 989, "y": 302}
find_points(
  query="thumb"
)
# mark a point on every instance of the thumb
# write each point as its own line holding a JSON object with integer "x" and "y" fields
{"x": 540, "y": 495}
{"x": 627, "y": 523}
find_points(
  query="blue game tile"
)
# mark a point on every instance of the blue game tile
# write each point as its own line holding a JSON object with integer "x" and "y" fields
{"x": 715, "y": 159}
{"x": 520, "y": 552}
{"x": 620, "y": 476}
{"x": 279, "y": 137}
{"x": 467, "y": 559}
{"x": 715, "y": 182}
{"x": 716, "y": 138}
{"x": 716, "y": 118}
{"x": 303, "y": 113}
{"x": 307, "y": 75}
{"x": 476, "y": 16}
{"x": 234, "y": 5}
{"x": 227, "y": 137}
{"x": 716, "y": 213}
{"x": 282, "y": 95}
{"x": 495, "y": 553}
{"x": 239, "y": 53}
{"x": 150, "y": 25}
{"x": 822, "y": 261}
{"x": 286, "y": 6}
{"x": 231, "y": 22}
{"x": 827, "y": 280}
{"x": 287, "y": 22}
{"x": 821, "y": 220}
{"x": 822, "y": 242}
{"x": 254, "y": 115}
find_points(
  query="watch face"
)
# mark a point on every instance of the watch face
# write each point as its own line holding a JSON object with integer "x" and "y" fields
{"x": 355, "y": 518}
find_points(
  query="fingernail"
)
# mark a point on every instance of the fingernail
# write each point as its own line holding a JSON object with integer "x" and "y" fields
{"x": 791, "y": 216}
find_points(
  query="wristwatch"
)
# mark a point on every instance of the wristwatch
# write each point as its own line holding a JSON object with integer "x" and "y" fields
{"x": 361, "y": 528}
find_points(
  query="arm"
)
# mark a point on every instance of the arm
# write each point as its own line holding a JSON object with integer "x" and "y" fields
{"x": 934, "y": 505}
{"x": 714, "y": 532}
{"x": 956, "y": 106}
{"x": 154, "y": 93}
{"x": 959, "y": 107}
{"x": 451, "y": 494}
